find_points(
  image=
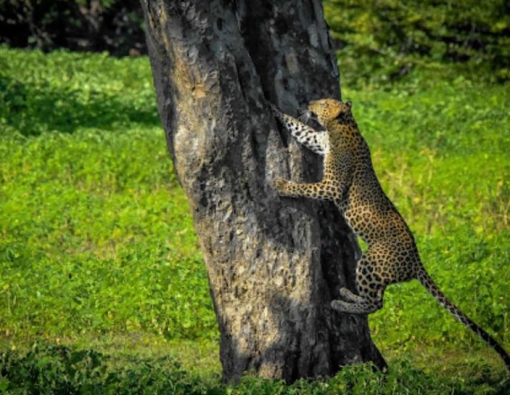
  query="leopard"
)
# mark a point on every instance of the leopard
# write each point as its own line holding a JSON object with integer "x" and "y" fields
{"x": 350, "y": 182}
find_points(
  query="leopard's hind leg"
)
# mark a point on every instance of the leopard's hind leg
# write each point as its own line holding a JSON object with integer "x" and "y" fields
{"x": 370, "y": 286}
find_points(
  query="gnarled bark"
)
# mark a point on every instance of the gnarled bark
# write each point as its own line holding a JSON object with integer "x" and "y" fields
{"x": 274, "y": 264}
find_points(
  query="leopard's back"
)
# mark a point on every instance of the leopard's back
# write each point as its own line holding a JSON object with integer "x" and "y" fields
{"x": 365, "y": 205}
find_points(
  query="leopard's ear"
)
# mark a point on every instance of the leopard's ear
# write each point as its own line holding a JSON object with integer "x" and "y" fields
{"x": 344, "y": 110}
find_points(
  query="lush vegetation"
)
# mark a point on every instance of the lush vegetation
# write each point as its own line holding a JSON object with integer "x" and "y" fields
{"x": 102, "y": 286}
{"x": 386, "y": 39}
{"x": 382, "y": 39}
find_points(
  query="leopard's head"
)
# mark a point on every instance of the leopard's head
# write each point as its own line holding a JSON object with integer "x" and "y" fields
{"x": 329, "y": 111}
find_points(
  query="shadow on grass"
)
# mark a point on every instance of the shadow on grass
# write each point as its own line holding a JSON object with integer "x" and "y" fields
{"x": 34, "y": 108}
{"x": 56, "y": 369}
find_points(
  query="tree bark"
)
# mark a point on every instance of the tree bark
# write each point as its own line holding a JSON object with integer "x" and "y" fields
{"x": 274, "y": 264}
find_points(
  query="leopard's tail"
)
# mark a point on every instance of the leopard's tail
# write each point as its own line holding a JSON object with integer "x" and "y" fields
{"x": 434, "y": 290}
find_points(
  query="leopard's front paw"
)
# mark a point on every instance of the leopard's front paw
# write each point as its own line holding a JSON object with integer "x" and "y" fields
{"x": 339, "y": 305}
{"x": 280, "y": 185}
{"x": 350, "y": 296}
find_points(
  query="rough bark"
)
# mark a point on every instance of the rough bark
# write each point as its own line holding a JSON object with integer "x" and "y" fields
{"x": 274, "y": 264}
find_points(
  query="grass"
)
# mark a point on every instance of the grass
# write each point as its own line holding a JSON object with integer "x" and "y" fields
{"x": 102, "y": 285}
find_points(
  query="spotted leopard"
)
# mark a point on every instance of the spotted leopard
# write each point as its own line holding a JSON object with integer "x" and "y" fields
{"x": 350, "y": 182}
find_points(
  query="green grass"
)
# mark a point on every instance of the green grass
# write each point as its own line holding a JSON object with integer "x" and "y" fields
{"x": 101, "y": 277}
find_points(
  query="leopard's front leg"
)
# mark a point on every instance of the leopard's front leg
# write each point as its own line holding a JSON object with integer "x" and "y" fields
{"x": 317, "y": 190}
{"x": 316, "y": 141}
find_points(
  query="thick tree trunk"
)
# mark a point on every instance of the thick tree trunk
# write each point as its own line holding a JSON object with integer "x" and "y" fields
{"x": 274, "y": 264}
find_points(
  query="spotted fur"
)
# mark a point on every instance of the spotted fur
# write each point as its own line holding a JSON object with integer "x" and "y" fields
{"x": 350, "y": 182}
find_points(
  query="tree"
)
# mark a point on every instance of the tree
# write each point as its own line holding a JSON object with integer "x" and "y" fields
{"x": 274, "y": 264}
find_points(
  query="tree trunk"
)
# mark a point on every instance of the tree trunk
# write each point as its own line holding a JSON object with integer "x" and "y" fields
{"x": 274, "y": 264}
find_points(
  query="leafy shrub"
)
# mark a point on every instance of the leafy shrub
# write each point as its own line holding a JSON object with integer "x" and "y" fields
{"x": 381, "y": 40}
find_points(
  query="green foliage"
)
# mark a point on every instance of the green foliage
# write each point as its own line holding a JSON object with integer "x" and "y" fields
{"x": 48, "y": 369}
{"x": 382, "y": 40}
